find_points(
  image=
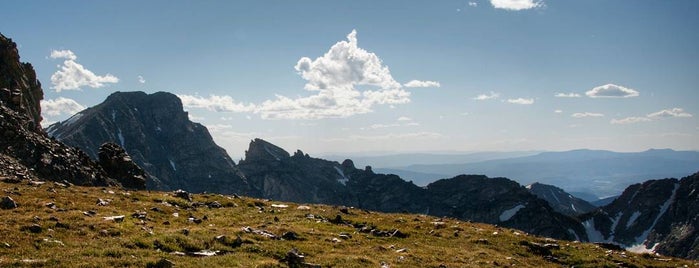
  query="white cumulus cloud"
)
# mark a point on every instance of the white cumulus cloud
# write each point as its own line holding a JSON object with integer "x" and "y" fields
{"x": 404, "y": 118}
{"x": 674, "y": 112}
{"x": 141, "y": 79}
{"x": 73, "y": 76}
{"x": 59, "y": 106}
{"x": 472, "y": 4}
{"x": 418, "y": 83}
{"x": 215, "y": 103}
{"x": 334, "y": 78}
{"x": 516, "y": 4}
{"x": 522, "y": 101}
{"x": 629, "y": 120}
{"x": 586, "y": 114}
{"x": 489, "y": 96}
{"x": 567, "y": 95}
{"x": 611, "y": 91}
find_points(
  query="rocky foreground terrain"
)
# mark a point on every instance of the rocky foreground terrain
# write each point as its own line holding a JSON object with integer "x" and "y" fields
{"x": 49, "y": 224}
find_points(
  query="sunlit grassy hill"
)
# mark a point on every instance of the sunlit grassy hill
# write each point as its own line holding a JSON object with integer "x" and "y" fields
{"x": 56, "y": 225}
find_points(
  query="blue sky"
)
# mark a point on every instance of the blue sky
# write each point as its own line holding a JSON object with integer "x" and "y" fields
{"x": 326, "y": 76}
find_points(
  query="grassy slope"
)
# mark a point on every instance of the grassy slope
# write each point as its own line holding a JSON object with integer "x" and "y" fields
{"x": 73, "y": 239}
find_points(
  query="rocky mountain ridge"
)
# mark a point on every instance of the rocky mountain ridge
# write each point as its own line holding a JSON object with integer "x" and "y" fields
{"x": 155, "y": 130}
{"x": 655, "y": 216}
{"x": 26, "y": 152}
{"x": 560, "y": 200}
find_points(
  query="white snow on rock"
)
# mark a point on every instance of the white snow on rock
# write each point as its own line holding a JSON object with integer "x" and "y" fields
{"x": 343, "y": 179}
{"x": 577, "y": 238}
{"x": 121, "y": 138}
{"x": 641, "y": 240}
{"x": 72, "y": 119}
{"x": 172, "y": 164}
{"x": 508, "y": 214}
{"x": 632, "y": 219}
{"x": 592, "y": 233}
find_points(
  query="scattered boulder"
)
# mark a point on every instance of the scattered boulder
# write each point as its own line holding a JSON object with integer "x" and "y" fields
{"x": 34, "y": 228}
{"x": 102, "y": 202}
{"x": 8, "y": 203}
{"x": 118, "y": 164}
{"x": 290, "y": 236}
{"x": 183, "y": 194}
{"x": 119, "y": 218}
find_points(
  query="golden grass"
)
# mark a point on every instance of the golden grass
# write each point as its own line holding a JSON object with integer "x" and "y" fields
{"x": 69, "y": 238}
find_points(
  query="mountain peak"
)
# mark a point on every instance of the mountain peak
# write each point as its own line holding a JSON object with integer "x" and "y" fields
{"x": 261, "y": 150}
{"x": 19, "y": 88}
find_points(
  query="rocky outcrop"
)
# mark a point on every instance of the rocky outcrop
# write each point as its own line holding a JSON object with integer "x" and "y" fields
{"x": 559, "y": 200}
{"x": 499, "y": 201}
{"x": 655, "y": 216}
{"x": 158, "y": 135}
{"x": 300, "y": 178}
{"x": 118, "y": 164}
{"x": 19, "y": 89}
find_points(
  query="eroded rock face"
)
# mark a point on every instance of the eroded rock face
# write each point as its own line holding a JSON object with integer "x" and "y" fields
{"x": 657, "y": 215}
{"x": 19, "y": 88}
{"x": 115, "y": 161}
{"x": 156, "y": 132}
{"x": 560, "y": 200}
{"x": 301, "y": 178}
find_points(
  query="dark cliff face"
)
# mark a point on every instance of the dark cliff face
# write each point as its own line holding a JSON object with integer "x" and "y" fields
{"x": 19, "y": 88}
{"x": 118, "y": 164}
{"x": 677, "y": 232}
{"x": 560, "y": 200}
{"x": 300, "y": 178}
{"x": 26, "y": 152}
{"x": 158, "y": 135}
{"x": 499, "y": 201}
{"x": 657, "y": 215}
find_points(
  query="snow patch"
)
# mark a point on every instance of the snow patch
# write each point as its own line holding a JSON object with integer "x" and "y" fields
{"x": 632, "y": 219}
{"x": 172, "y": 164}
{"x": 642, "y": 238}
{"x": 508, "y": 214}
{"x": 343, "y": 178}
{"x": 121, "y": 137}
{"x": 593, "y": 235}
{"x": 573, "y": 207}
{"x": 554, "y": 196}
{"x": 113, "y": 116}
{"x": 577, "y": 238}
{"x": 528, "y": 186}
{"x": 641, "y": 248}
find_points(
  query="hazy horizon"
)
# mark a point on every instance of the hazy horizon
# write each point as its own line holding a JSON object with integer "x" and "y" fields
{"x": 390, "y": 76}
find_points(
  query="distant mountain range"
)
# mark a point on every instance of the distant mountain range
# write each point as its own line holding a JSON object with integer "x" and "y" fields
{"x": 587, "y": 172}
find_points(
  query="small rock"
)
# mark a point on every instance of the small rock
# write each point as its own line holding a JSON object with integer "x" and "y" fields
{"x": 119, "y": 218}
{"x": 156, "y": 209}
{"x": 401, "y": 250}
{"x": 214, "y": 204}
{"x": 280, "y": 206}
{"x": 345, "y": 236}
{"x": 303, "y": 208}
{"x": 185, "y": 231}
{"x": 141, "y": 215}
{"x": 50, "y": 205}
{"x": 344, "y": 210}
{"x": 184, "y": 195}
{"x": 290, "y": 236}
{"x": 399, "y": 234}
{"x": 102, "y": 202}
{"x": 34, "y": 228}
{"x": 8, "y": 203}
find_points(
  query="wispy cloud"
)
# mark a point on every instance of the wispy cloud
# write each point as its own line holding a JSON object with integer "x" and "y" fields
{"x": 629, "y": 120}
{"x": 141, "y": 79}
{"x": 418, "y": 83}
{"x": 60, "y": 105}
{"x": 472, "y": 4}
{"x": 586, "y": 114}
{"x": 567, "y": 95}
{"x": 215, "y": 103}
{"x": 490, "y": 96}
{"x": 665, "y": 113}
{"x": 404, "y": 118}
{"x": 516, "y": 4}
{"x": 73, "y": 76}
{"x": 674, "y": 112}
{"x": 521, "y": 101}
{"x": 611, "y": 91}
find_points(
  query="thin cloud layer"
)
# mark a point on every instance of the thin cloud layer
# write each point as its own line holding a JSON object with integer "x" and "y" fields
{"x": 611, "y": 91}
{"x": 490, "y": 96}
{"x": 418, "y": 83}
{"x": 629, "y": 120}
{"x": 521, "y": 101}
{"x": 586, "y": 114}
{"x": 73, "y": 76}
{"x": 516, "y": 5}
{"x": 567, "y": 95}
{"x": 59, "y": 106}
{"x": 674, "y": 112}
{"x": 215, "y": 103}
